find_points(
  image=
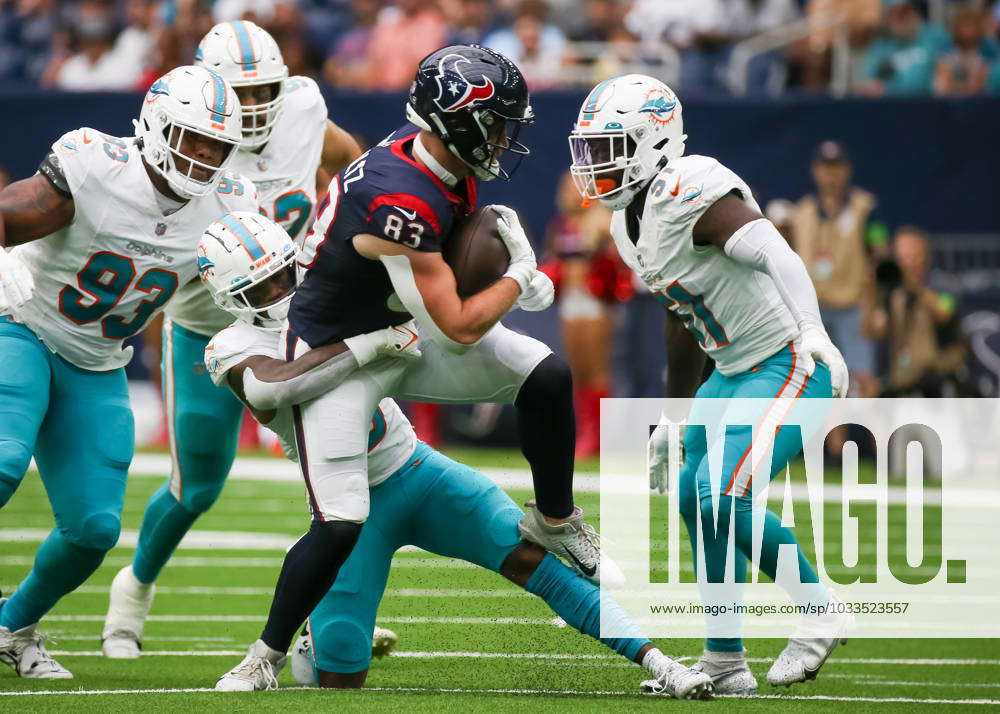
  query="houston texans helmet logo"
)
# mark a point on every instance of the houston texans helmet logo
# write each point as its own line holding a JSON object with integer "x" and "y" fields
{"x": 454, "y": 90}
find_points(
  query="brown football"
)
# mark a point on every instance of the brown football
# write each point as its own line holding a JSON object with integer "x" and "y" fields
{"x": 476, "y": 253}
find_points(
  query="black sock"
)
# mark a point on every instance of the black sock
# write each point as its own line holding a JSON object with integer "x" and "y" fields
{"x": 310, "y": 567}
{"x": 546, "y": 424}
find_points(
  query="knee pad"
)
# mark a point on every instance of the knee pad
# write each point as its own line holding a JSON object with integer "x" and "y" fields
{"x": 548, "y": 383}
{"x": 342, "y": 646}
{"x": 97, "y": 532}
{"x": 15, "y": 457}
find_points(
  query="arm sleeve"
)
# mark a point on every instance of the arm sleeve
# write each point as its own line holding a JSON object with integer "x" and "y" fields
{"x": 301, "y": 388}
{"x": 51, "y": 169}
{"x": 759, "y": 246}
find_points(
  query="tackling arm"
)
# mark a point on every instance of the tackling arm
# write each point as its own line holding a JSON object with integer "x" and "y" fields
{"x": 266, "y": 383}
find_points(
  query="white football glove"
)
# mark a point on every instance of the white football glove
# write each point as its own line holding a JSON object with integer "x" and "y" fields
{"x": 815, "y": 346}
{"x": 539, "y": 295}
{"x": 666, "y": 437}
{"x": 522, "y": 257}
{"x": 16, "y": 282}
{"x": 400, "y": 341}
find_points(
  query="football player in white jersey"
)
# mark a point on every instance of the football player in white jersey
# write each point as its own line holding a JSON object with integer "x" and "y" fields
{"x": 690, "y": 228}
{"x": 94, "y": 245}
{"x": 419, "y": 496}
{"x": 288, "y": 147}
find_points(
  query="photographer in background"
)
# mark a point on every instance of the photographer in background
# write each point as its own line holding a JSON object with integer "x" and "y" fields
{"x": 926, "y": 349}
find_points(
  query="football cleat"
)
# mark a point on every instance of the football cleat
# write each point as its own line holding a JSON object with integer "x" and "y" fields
{"x": 302, "y": 660}
{"x": 127, "y": 610}
{"x": 258, "y": 671}
{"x": 383, "y": 642}
{"x": 729, "y": 672}
{"x": 24, "y": 651}
{"x": 575, "y": 542}
{"x": 814, "y": 639}
{"x": 680, "y": 682}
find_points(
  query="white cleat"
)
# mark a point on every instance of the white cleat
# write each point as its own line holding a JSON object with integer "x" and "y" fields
{"x": 127, "y": 610}
{"x": 24, "y": 651}
{"x": 680, "y": 682}
{"x": 258, "y": 671}
{"x": 814, "y": 639}
{"x": 302, "y": 660}
{"x": 576, "y": 542}
{"x": 729, "y": 672}
{"x": 383, "y": 642}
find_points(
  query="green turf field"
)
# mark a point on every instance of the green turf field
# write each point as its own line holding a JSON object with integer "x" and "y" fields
{"x": 469, "y": 641}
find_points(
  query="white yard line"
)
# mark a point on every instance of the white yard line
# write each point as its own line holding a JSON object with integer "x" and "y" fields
{"x": 531, "y": 692}
{"x": 545, "y": 656}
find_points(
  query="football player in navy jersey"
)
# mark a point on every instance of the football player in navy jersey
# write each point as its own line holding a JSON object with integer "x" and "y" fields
{"x": 373, "y": 260}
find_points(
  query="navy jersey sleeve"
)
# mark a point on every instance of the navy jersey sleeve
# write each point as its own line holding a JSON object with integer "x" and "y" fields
{"x": 408, "y": 219}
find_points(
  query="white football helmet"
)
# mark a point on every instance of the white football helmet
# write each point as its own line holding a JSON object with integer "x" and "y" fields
{"x": 246, "y": 55}
{"x": 628, "y": 128}
{"x": 185, "y": 101}
{"x": 248, "y": 265}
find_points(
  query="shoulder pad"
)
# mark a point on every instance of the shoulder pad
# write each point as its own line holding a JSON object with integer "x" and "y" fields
{"x": 303, "y": 94}
{"x": 230, "y": 347}
{"x": 238, "y": 190}
{"x": 691, "y": 183}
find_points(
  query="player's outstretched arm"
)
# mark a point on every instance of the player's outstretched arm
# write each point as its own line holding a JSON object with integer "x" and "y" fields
{"x": 266, "y": 383}
{"x": 426, "y": 286}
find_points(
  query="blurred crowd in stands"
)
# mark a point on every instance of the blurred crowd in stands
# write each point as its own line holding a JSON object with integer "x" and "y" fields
{"x": 871, "y": 47}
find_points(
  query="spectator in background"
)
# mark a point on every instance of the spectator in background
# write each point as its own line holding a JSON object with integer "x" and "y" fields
{"x": 589, "y": 278}
{"x": 767, "y": 72}
{"x": 133, "y": 48}
{"x": 697, "y": 29}
{"x": 347, "y": 66}
{"x": 834, "y": 234}
{"x": 600, "y": 20}
{"x": 27, "y": 29}
{"x": 470, "y": 20}
{"x": 902, "y": 60}
{"x": 862, "y": 18}
{"x": 963, "y": 71}
{"x": 94, "y": 66}
{"x": 926, "y": 347}
{"x": 402, "y": 36}
{"x": 534, "y": 44}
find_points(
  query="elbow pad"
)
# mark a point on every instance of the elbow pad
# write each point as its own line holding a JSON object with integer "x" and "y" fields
{"x": 301, "y": 388}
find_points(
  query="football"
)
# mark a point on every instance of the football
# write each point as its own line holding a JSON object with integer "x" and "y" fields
{"x": 476, "y": 253}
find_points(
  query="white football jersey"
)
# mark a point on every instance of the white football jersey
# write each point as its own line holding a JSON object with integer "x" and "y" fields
{"x": 100, "y": 279}
{"x": 391, "y": 440}
{"x": 284, "y": 173}
{"x": 735, "y": 312}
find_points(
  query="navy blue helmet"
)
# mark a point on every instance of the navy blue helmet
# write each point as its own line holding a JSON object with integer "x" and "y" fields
{"x": 475, "y": 100}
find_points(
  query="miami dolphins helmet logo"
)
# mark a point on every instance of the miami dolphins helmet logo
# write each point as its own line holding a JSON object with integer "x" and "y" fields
{"x": 454, "y": 90}
{"x": 660, "y": 106}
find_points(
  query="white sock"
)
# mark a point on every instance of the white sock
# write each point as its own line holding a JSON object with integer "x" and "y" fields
{"x": 657, "y": 663}
{"x": 137, "y": 585}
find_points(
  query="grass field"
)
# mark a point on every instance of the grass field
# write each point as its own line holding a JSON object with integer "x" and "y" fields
{"x": 469, "y": 641}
